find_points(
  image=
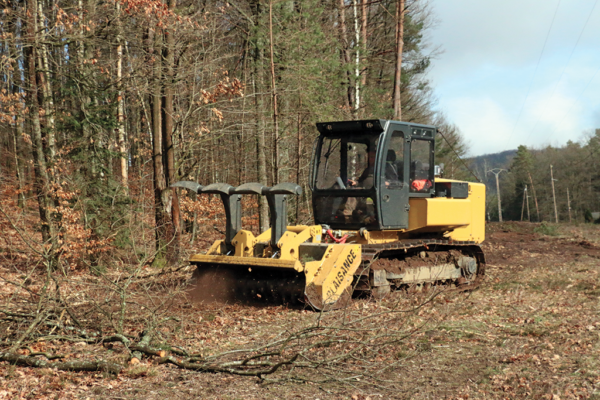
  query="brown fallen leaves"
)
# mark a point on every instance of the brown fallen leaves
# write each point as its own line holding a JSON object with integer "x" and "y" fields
{"x": 531, "y": 330}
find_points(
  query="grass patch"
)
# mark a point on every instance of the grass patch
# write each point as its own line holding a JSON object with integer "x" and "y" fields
{"x": 534, "y": 330}
{"x": 140, "y": 370}
{"x": 209, "y": 317}
{"x": 547, "y": 229}
{"x": 517, "y": 227}
{"x": 588, "y": 287}
{"x": 488, "y": 373}
{"x": 535, "y": 286}
{"x": 555, "y": 284}
{"x": 508, "y": 285}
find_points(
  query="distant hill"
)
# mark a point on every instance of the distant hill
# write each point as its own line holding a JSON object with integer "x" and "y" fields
{"x": 495, "y": 160}
{"x": 486, "y": 162}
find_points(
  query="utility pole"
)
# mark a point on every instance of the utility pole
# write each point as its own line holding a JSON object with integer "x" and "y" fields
{"x": 496, "y": 172}
{"x": 553, "y": 194}
{"x": 523, "y": 205}
{"x": 537, "y": 209}
{"x": 527, "y": 201}
{"x": 569, "y": 205}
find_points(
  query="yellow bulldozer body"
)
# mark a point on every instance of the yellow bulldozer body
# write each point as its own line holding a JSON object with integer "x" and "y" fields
{"x": 329, "y": 278}
{"x": 462, "y": 219}
{"x": 396, "y": 223}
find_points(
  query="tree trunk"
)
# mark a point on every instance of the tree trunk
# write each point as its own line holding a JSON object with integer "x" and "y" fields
{"x": 298, "y": 164}
{"x": 364, "y": 17}
{"x": 18, "y": 133}
{"x": 41, "y": 172}
{"x": 19, "y": 123}
{"x": 84, "y": 100}
{"x": 160, "y": 202}
{"x": 261, "y": 159}
{"x": 399, "y": 49}
{"x": 121, "y": 104}
{"x": 356, "y": 61}
{"x": 45, "y": 84}
{"x": 263, "y": 210}
{"x": 174, "y": 227}
{"x": 349, "y": 98}
{"x": 276, "y": 155}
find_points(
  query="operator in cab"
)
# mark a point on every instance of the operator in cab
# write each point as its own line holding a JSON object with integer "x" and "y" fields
{"x": 366, "y": 179}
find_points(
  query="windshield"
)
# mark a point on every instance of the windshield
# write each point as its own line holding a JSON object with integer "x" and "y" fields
{"x": 345, "y": 210}
{"x": 346, "y": 163}
{"x": 420, "y": 171}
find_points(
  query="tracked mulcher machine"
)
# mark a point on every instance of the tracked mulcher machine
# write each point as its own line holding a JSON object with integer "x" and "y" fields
{"x": 383, "y": 221}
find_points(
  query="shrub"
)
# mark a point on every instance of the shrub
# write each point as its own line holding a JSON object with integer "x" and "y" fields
{"x": 547, "y": 229}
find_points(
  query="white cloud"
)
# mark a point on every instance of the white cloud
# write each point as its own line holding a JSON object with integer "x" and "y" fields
{"x": 489, "y": 76}
{"x": 482, "y": 121}
{"x": 551, "y": 119}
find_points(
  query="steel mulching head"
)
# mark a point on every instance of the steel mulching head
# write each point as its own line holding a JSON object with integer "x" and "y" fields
{"x": 194, "y": 186}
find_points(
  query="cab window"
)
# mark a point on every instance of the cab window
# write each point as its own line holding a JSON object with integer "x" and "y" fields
{"x": 346, "y": 164}
{"x": 420, "y": 163}
{"x": 393, "y": 172}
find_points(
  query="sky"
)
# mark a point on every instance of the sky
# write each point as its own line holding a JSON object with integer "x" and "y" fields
{"x": 517, "y": 72}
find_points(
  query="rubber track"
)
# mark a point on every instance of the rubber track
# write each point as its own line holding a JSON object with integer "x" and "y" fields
{"x": 277, "y": 286}
{"x": 370, "y": 252}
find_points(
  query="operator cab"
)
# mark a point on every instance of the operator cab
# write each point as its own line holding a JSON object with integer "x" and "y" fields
{"x": 364, "y": 172}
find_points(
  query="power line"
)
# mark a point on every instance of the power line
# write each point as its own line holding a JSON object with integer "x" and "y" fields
{"x": 457, "y": 156}
{"x": 568, "y": 111}
{"x": 535, "y": 72}
{"x": 567, "y": 64}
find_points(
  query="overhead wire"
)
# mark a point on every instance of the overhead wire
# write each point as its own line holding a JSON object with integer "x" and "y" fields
{"x": 566, "y": 65}
{"x": 568, "y": 111}
{"x": 534, "y": 72}
{"x": 457, "y": 156}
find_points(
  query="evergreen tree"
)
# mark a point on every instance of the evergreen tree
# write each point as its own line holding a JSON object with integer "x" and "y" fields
{"x": 520, "y": 169}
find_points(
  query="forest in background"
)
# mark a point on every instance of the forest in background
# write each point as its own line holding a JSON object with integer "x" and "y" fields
{"x": 103, "y": 105}
{"x": 552, "y": 184}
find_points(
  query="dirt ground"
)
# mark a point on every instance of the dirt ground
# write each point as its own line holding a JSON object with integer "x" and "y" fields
{"x": 530, "y": 330}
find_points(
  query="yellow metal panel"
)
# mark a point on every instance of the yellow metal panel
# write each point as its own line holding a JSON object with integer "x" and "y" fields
{"x": 478, "y": 199}
{"x": 287, "y": 248}
{"x": 216, "y": 247}
{"x": 246, "y": 261}
{"x": 464, "y": 219}
{"x": 296, "y": 228}
{"x": 264, "y": 237}
{"x": 439, "y": 212}
{"x": 442, "y": 180}
{"x": 290, "y": 241}
{"x": 244, "y": 242}
{"x": 333, "y": 274}
{"x": 315, "y": 229}
{"x": 476, "y": 230}
{"x": 417, "y": 215}
{"x": 378, "y": 237}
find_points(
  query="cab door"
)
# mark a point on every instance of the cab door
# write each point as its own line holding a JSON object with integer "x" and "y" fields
{"x": 392, "y": 177}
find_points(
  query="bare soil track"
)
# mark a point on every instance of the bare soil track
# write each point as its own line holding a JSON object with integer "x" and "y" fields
{"x": 530, "y": 330}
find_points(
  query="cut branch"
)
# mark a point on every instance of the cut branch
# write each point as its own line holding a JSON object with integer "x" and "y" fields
{"x": 28, "y": 361}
